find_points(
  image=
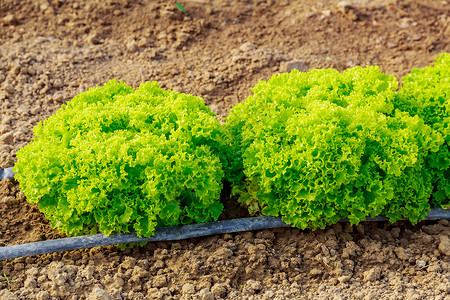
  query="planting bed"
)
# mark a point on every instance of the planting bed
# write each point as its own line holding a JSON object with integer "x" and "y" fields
{"x": 52, "y": 50}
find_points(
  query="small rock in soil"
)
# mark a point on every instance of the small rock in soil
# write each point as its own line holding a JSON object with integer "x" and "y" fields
{"x": 444, "y": 245}
{"x": 58, "y": 83}
{"x": 160, "y": 281}
{"x": 94, "y": 39}
{"x": 205, "y": 294}
{"x": 9, "y": 20}
{"x": 247, "y": 47}
{"x": 391, "y": 45}
{"x": 23, "y": 110}
{"x": 132, "y": 46}
{"x": 315, "y": 271}
{"x": 269, "y": 294}
{"x": 4, "y": 129}
{"x": 371, "y": 275}
{"x": 219, "y": 290}
{"x": 344, "y": 278}
{"x": 326, "y": 13}
{"x": 6, "y": 138}
{"x": 142, "y": 42}
{"x": 344, "y": 6}
{"x": 9, "y": 89}
{"x": 188, "y": 288}
{"x": 297, "y": 64}
{"x": 99, "y": 294}
{"x": 43, "y": 295}
{"x": 421, "y": 263}
{"x": 254, "y": 285}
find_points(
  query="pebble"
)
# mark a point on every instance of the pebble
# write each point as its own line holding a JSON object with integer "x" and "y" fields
{"x": 391, "y": 45}
{"x": 219, "y": 290}
{"x": 43, "y": 295}
{"x": 44, "y": 6}
{"x": 6, "y": 138}
{"x": 142, "y": 42}
{"x": 296, "y": 64}
{"x": 344, "y": 6}
{"x": 269, "y": 294}
{"x": 421, "y": 263}
{"x": 95, "y": 39}
{"x": 99, "y": 294}
{"x": 326, "y": 13}
{"x": 23, "y": 110}
{"x": 344, "y": 278}
{"x": 160, "y": 281}
{"x": 58, "y": 96}
{"x": 132, "y": 46}
{"x": 247, "y": 47}
{"x": 9, "y": 20}
{"x": 315, "y": 271}
{"x": 4, "y": 129}
{"x": 31, "y": 71}
{"x": 58, "y": 83}
{"x": 205, "y": 294}
{"x": 9, "y": 89}
{"x": 188, "y": 288}
{"x": 371, "y": 275}
{"x": 255, "y": 285}
{"x": 444, "y": 245}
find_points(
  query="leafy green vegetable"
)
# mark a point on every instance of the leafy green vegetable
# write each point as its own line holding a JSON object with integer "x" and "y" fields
{"x": 320, "y": 146}
{"x": 116, "y": 160}
{"x": 426, "y": 93}
{"x": 312, "y": 147}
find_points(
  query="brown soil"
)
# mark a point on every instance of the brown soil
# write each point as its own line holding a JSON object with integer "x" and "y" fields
{"x": 52, "y": 50}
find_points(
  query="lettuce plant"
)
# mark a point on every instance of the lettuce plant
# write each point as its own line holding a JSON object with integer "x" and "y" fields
{"x": 320, "y": 146}
{"x": 117, "y": 160}
{"x": 426, "y": 93}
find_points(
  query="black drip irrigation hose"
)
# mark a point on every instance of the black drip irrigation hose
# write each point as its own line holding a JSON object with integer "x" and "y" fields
{"x": 6, "y": 173}
{"x": 166, "y": 234}
{"x": 161, "y": 234}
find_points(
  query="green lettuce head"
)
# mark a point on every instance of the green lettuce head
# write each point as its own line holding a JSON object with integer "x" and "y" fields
{"x": 320, "y": 146}
{"x": 426, "y": 93}
{"x": 116, "y": 160}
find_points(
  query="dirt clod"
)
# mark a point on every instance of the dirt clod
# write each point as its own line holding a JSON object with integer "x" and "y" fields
{"x": 9, "y": 19}
{"x": 99, "y": 294}
{"x": 219, "y": 290}
{"x": 205, "y": 294}
{"x": 372, "y": 274}
{"x": 444, "y": 245}
{"x": 6, "y": 138}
